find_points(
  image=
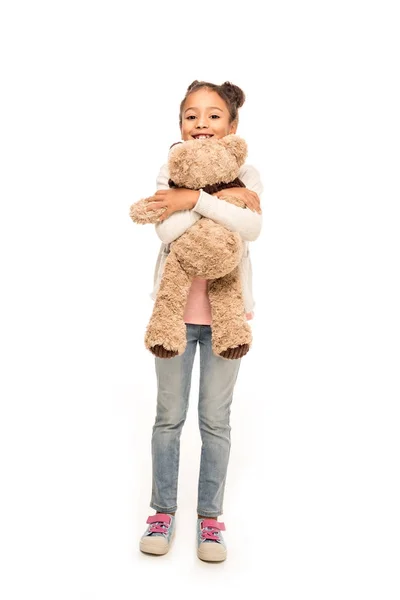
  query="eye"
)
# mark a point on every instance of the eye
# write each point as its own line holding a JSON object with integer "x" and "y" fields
{"x": 191, "y": 117}
{"x": 217, "y": 116}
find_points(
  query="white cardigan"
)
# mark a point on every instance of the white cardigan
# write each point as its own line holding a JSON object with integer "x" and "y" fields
{"x": 246, "y": 222}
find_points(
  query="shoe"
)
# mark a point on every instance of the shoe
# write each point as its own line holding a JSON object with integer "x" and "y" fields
{"x": 210, "y": 543}
{"x": 159, "y": 534}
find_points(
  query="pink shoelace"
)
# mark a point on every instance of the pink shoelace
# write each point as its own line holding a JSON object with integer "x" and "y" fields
{"x": 159, "y": 523}
{"x": 210, "y": 529}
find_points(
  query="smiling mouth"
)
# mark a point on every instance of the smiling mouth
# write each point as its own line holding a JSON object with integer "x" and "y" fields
{"x": 202, "y": 136}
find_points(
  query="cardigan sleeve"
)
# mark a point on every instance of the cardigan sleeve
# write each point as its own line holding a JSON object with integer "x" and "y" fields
{"x": 245, "y": 221}
{"x": 177, "y": 223}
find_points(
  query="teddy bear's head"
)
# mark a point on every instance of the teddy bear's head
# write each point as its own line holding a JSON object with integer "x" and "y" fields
{"x": 195, "y": 164}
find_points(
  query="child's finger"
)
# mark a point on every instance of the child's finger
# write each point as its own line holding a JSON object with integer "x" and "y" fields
{"x": 164, "y": 216}
{"x": 154, "y": 205}
{"x": 253, "y": 201}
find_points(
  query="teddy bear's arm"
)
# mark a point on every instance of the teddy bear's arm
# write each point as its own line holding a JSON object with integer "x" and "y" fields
{"x": 177, "y": 223}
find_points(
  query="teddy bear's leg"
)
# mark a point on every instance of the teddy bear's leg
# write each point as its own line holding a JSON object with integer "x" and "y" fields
{"x": 231, "y": 334}
{"x": 166, "y": 332}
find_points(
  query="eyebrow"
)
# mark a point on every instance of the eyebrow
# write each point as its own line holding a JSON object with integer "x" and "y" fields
{"x": 213, "y": 107}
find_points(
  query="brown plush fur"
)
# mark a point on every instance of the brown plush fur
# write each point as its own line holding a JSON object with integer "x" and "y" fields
{"x": 207, "y": 250}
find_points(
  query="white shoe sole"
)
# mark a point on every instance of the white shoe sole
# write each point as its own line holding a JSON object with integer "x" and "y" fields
{"x": 211, "y": 552}
{"x": 156, "y": 544}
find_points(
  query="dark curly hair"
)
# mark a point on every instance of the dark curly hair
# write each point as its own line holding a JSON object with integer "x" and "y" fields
{"x": 231, "y": 94}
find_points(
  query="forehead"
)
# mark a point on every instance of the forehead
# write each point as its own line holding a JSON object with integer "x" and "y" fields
{"x": 204, "y": 97}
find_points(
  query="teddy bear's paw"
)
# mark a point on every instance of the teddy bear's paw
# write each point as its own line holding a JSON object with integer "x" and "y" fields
{"x": 231, "y": 339}
{"x": 139, "y": 212}
{"x": 164, "y": 342}
{"x": 234, "y": 353}
{"x": 162, "y": 352}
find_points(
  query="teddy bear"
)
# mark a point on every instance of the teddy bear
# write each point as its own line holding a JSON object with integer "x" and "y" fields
{"x": 207, "y": 250}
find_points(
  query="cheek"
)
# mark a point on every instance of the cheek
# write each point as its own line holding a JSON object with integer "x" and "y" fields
{"x": 224, "y": 129}
{"x": 224, "y": 126}
{"x": 186, "y": 128}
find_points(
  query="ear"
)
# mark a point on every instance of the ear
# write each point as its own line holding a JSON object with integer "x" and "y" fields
{"x": 236, "y": 146}
{"x": 233, "y": 127}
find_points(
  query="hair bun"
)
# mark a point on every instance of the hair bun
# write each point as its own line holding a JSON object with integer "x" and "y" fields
{"x": 234, "y": 92}
{"x": 193, "y": 84}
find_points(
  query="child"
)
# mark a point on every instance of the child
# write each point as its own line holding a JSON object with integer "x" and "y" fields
{"x": 206, "y": 110}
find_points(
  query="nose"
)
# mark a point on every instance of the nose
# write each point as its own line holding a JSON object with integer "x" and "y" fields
{"x": 201, "y": 123}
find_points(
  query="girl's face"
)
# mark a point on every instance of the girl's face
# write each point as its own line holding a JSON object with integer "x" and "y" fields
{"x": 205, "y": 114}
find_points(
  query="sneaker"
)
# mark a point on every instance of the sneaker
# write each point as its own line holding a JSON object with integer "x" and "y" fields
{"x": 159, "y": 534}
{"x": 210, "y": 543}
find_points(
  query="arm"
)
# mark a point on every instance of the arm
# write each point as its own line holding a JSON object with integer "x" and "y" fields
{"x": 246, "y": 222}
{"x": 179, "y": 221}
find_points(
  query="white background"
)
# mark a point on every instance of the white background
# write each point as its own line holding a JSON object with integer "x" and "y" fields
{"x": 89, "y": 107}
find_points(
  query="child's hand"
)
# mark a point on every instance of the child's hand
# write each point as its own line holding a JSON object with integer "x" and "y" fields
{"x": 249, "y": 197}
{"x": 173, "y": 200}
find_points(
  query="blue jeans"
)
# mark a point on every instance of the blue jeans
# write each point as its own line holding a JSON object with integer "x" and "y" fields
{"x": 217, "y": 380}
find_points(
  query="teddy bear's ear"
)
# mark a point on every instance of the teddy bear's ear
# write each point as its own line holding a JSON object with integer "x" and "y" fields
{"x": 173, "y": 147}
{"x": 236, "y": 146}
{"x": 174, "y": 144}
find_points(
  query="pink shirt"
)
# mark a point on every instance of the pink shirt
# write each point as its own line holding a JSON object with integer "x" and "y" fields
{"x": 198, "y": 308}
